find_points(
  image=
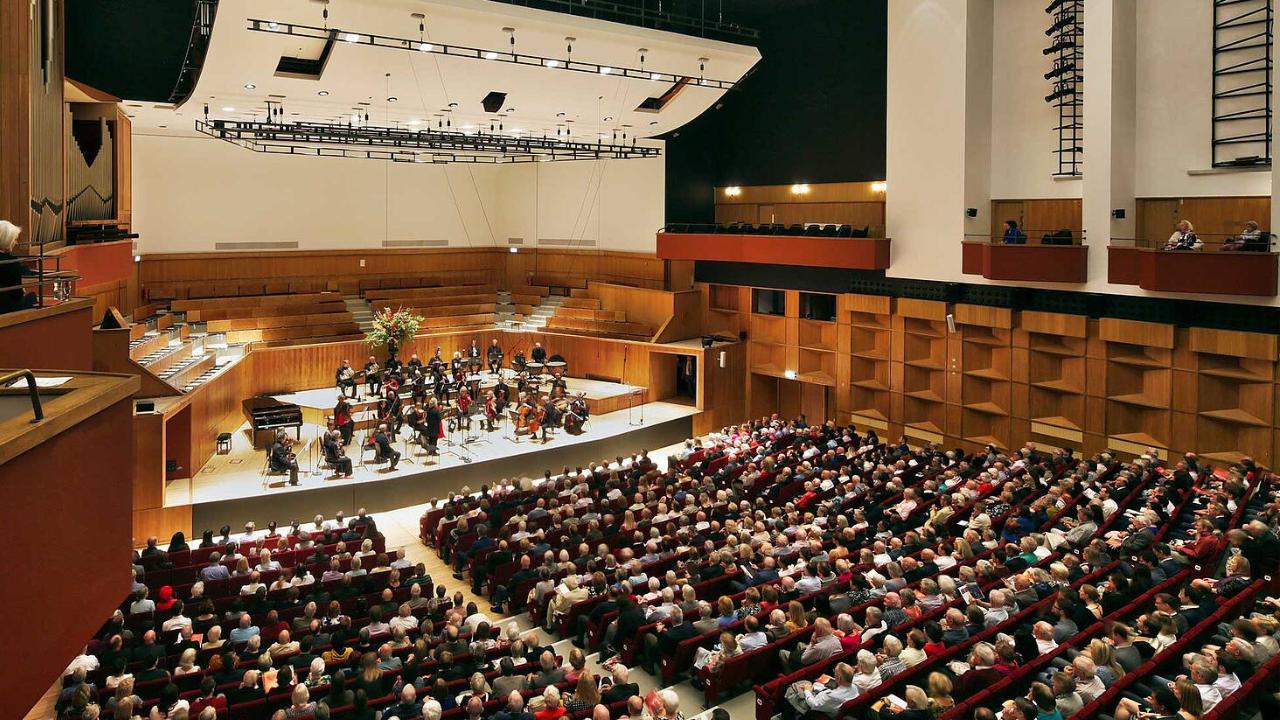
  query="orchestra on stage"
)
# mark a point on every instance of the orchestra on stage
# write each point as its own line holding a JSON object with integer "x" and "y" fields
{"x": 425, "y": 402}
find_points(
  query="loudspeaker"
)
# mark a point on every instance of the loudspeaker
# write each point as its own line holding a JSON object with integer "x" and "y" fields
{"x": 724, "y": 358}
{"x": 971, "y": 212}
{"x": 1118, "y": 213}
{"x": 742, "y": 335}
{"x": 707, "y": 340}
{"x": 951, "y": 322}
{"x": 494, "y": 101}
{"x": 144, "y": 406}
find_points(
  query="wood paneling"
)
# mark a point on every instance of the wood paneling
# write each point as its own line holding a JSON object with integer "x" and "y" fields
{"x": 853, "y": 203}
{"x": 1214, "y": 218}
{"x": 54, "y": 337}
{"x": 15, "y": 112}
{"x": 1037, "y": 217}
{"x": 124, "y": 168}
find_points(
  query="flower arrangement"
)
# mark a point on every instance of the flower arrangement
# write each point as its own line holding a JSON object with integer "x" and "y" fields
{"x": 393, "y": 328}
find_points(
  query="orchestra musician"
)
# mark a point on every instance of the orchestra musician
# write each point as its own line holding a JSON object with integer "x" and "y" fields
{"x": 538, "y": 354}
{"x": 518, "y": 364}
{"x": 382, "y": 439}
{"x": 440, "y": 389}
{"x": 550, "y": 415}
{"x": 501, "y": 397}
{"x": 464, "y": 407}
{"x": 413, "y": 418}
{"x": 335, "y": 455}
{"x": 395, "y": 368}
{"x": 436, "y": 360}
{"x": 419, "y": 388}
{"x": 282, "y": 458}
{"x": 456, "y": 366}
{"x": 434, "y": 427}
{"x": 473, "y": 357}
{"x": 495, "y": 356}
{"x": 577, "y": 414}
{"x": 415, "y": 365}
{"x": 342, "y": 419}
{"x": 490, "y": 410}
{"x": 372, "y": 377}
{"x": 345, "y": 378}
{"x": 395, "y": 406}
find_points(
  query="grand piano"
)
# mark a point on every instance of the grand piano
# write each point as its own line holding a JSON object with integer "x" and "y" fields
{"x": 266, "y": 415}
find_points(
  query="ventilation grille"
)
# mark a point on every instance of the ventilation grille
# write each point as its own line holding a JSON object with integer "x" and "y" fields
{"x": 433, "y": 242}
{"x": 572, "y": 242}
{"x": 515, "y": 241}
{"x": 256, "y": 245}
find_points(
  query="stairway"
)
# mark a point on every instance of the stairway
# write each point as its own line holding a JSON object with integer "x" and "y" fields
{"x": 184, "y": 355}
{"x": 360, "y": 311}
{"x": 537, "y": 319}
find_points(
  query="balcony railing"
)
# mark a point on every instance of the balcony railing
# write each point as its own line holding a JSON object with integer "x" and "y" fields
{"x": 709, "y": 22}
{"x": 830, "y": 246}
{"x": 43, "y": 283}
{"x": 1031, "y": 256}
{"x": 1219, "y": 265}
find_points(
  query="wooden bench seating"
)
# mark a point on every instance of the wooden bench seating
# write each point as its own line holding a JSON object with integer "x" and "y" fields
{"x": 438, "y": 301}
{"x": 550, "y": 280}
{"x": 193, "y": 371}
{"x": 238, "y": 313}
{"x": 252, "y": 301}
{"x": 275, "y": 321}
{"x": 602, "y": 328}
{"x": 473, "y": 320}
{"x": 293, "y": 333}
{"x": 430, "y": 292}
{"x": 590, "y": 314}
{"x": 581, "y": 302}
{"x": 428, "y": 279}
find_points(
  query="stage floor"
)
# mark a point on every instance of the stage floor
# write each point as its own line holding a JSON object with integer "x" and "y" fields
{"x": 238, "y": 474}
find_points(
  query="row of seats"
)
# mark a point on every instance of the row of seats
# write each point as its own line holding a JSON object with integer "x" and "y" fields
{"x": 812, "y": 229}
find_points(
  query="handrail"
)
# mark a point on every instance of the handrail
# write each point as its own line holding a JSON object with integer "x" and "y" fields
{"x": 36, "y": 409}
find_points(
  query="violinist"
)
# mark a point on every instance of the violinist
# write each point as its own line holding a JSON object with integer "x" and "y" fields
{"x": 440, "y": 388}
{"x": 342, "y": 419}
{"x": 436, "y": 360}
{"x": 495, "y": 356}
{"x": 413, "y": 417}
{"x": 501, "y": 397}
{"x": 414, "y": 367}
{"x": 394, "y": 404}
{"x": 345, "y": 378}
{"x": 490, "y": 410}
{"x": 282, "y": 458}
{"x": 473, "y": 357}
{"x": 464, "y": 407}
{"x": 394, "y": 367}
{"x": 419, "y": 388}
{"x": 335, "y": 455}
{"x": 372, "y": 377}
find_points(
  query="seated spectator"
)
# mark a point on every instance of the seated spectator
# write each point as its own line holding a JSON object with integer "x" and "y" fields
{"x": 1184, "y": 238}
{"x": 824, "y": 698}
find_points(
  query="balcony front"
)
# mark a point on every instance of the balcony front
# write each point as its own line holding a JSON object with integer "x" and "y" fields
{"x": 833, "y": 246}
{"x": 1036, "y": 261}
{"x": 1210, "y": 270}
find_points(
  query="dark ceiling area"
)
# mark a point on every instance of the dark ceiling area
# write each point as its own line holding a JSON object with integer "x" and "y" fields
{"x": 130, "y": 49}
{"x": 813, "y": 110}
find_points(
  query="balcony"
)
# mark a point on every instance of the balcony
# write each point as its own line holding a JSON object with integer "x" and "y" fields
{"x": 827, "y": 246}
{"x": 1033, "y": 261}
{"x": 1209, "y": 271}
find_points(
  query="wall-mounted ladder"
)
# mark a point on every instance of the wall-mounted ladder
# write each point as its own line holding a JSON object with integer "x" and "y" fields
{"x": 1066, "y": 31}
{"x": 1241, "y": 83}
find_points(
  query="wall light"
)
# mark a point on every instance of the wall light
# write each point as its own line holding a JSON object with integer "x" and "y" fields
{"x": 515, "y": 250}
{"x": 878, "y": 186}
{"x": 800, "y": 189}
{"x": 491, "y": 55}
{"x": 732, "y": 191}
{"x": 789, "y": 374}
{"x": 137, "y": 258}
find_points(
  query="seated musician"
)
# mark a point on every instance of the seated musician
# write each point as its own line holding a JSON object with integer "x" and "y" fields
{"x": 394, "y": 367}
{"x": 518, "y": 363}
{"x": 414, "y": 367}
{"x": 464, "y": 407}
{"x": 473, "y": 355}
{"x": 282, "y": 459}
{"x": 490, "y": 410}
{"x": 576, "y": 414}
{"x": 343, "y": 420}
{"x": 372, "y": 377}
{"x": 394, "y": 405}
{"x": 436, "y": 360}
{"x": 419, "y": 388}
{"x": 335, "y": 455}
{"x": 413, "y": 417}
{"x": 345, "y": 378}
{"x": 551, "y": 415}
{"x": 456, "y": 365}
{"x": 495, "y": 356}
{"x": 382, "y": 439}
{"x": 538, "y": 354}
{"x": 501, "y": 397}
{"x": 440, "y": 388}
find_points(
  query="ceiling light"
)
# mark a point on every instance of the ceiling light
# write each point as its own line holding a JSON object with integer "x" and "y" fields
{"x": 250, "y": 86}
{"x": 351, "y": 37}
{"x": 655, "y": 77}
{"x": 228, "y": 109}
{"x": 789, "y": 374}
{"x": 414, "y": 121}
{"x": 453, "y": 104}
{"x": 392, "y": 99}
{"x": 273, "y": 25}
{"x": 733, "y": 191}
{"x": 799, "y": 189}
{"x": 426, "y": 47}
{"x": 553, "y": 63}
{"x": 605, "y": 70}
{"x": 560, "y": 114}
{"x": 491, "y": 55}
{"x": 323, "y": 93}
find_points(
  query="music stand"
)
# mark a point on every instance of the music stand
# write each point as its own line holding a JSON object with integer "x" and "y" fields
{"x": 635, "y": 394}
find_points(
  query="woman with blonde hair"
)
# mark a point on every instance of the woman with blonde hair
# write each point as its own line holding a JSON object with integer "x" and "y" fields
{"x": 187, "y": 663}
{"x": 940, "y": 700}
{"x": 301, "y": 705}
{"x": 1184, "y": 238}
{"x": 796, "y": 618}
{"x": 585, "y": 695}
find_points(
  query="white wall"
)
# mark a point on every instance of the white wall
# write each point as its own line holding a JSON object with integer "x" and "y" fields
{"x": 190, "y": 193}
{"x": 1022, "y": 123}
{"x": 1174, "y": 109}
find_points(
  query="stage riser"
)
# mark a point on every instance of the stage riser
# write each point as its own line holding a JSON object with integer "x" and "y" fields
{"x": 382, "y": 495}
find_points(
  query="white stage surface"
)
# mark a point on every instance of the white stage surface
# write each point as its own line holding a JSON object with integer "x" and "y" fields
{"x": 229, "y": 480}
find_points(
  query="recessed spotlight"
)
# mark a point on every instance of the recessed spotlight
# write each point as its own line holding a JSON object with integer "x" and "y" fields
{"x": 414, "y": 121}
{"x": 553, "y": 63}
{"x": 426, "y": 47}
{"x": 392, "y": 99}
{"x": 453, "y": 104}
{"x": 351, "y": 37}
{"x": 323, "y": 93}
{"x": 468, "y": 127}
{"x": 559, "y": 114}
{"x": 228, "y": 109}
{"x": 250, "y": 86}
{"x": 606, "y": 70}
{"x": 511, "y": 110}
{"x": 273, "y": 25}
{"x": 653, "y": 122}
{"x": 162, "y": 126}
{"x": 491, "y": 55}
{"x": 609, "y": 119}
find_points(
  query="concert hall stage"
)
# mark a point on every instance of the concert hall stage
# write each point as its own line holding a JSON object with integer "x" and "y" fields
{"x": 230, "y": 488}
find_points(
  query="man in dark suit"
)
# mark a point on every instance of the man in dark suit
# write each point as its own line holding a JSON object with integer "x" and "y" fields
{"x": 335, "y": 455}
{"x": 663, "y": 640}
{"x": 385, "y": 450}
{"x": 494, "y": 560}
{"x": 281, "y": 460}
{"x": 514, "y": 709}
{"x": 622, "y": 688}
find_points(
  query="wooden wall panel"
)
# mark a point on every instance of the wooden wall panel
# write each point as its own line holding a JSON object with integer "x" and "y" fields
{"x": 55, "y": 337}
{"x": 15, "y": 115}
{"x": 1213, "y": 217}
{"x": 855, "y": 203}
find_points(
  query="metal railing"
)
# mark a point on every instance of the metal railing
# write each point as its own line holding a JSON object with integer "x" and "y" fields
{"x": 671, "y": 15}
{"x": 37, "y": 410}
{"x": 41, "y": 286}
{"x": 1031, "y": 237}
{"x": 1263, "y": 242}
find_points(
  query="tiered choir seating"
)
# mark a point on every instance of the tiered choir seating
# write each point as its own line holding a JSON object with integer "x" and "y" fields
{"x": 585, "y": 316}
{"x": 274, "y": 319}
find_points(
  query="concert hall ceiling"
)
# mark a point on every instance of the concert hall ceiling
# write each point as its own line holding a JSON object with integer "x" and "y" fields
{"x": 406, "y": 77}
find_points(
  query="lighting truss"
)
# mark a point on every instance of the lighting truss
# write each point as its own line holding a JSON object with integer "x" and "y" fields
{"x": 374, "y": 142}
{"x": 388, "y": 42}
